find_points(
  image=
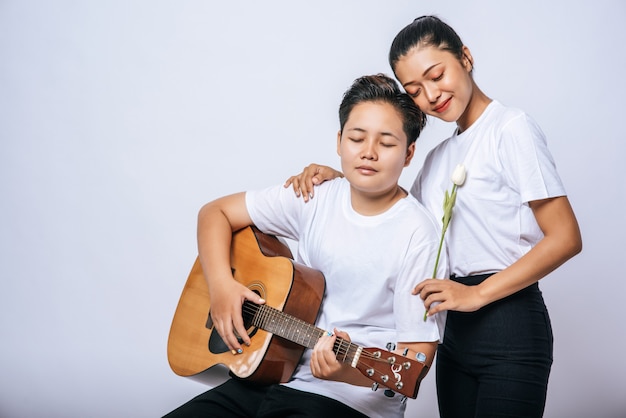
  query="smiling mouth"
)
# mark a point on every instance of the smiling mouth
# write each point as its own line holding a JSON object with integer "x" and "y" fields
{"x": 443, "y": 106}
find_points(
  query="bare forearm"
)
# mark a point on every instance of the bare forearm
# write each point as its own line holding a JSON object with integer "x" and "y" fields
{"x": 543, "y": 259}
{"x": 561, "y": 241}
{"x": 216, "y": 222}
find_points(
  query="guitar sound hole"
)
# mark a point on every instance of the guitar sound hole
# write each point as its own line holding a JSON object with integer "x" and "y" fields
{"x": 248, "y": 316}
{"x": 216, "y": 344}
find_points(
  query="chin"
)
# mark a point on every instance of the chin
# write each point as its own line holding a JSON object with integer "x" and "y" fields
{"x": 447, "y": 116}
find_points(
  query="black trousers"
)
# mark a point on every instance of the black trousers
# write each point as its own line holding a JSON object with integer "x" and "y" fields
{"x": 236, "y": 398}
{"x": 495, "y": 362}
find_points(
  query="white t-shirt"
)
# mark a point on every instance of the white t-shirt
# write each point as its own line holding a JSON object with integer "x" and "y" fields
{"x": 508, "y": 165}
{"x": 371, "y": 264}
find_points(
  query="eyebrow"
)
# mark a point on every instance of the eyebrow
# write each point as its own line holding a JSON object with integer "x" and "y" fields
{"x": 423, "y": 74}
{"x": 383, "y": 133}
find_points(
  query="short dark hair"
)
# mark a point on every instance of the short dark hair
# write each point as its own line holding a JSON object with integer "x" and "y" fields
{"x": 384, "y": 89}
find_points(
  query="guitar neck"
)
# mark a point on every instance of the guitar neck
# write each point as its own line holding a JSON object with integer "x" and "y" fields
{"x": 297, "y": 331}
{"x": 383, "y": 367}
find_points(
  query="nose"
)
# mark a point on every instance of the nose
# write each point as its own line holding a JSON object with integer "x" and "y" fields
{"x": 368, "y": 152}
{"x": 432, "y": 93}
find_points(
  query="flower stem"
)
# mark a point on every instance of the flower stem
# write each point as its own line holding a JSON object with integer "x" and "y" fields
{"x": 447, "y": 215}
{"x": 438, "y": 255}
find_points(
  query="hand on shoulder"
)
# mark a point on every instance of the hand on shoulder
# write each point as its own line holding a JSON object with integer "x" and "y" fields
{"x": 312, "y": 175}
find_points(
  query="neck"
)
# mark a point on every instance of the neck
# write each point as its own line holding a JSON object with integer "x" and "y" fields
{"x": 375, "y": 204}
{"x": 476, "y": 106}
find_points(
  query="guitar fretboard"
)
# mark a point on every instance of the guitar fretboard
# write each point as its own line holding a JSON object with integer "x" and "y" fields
{"x": 297, "y": 331}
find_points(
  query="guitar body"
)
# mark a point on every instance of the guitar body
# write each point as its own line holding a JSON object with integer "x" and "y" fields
{"x": 265, "y": 265}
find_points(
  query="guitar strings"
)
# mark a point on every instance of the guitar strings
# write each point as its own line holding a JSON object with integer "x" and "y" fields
{"x": 262, "y": 315}
{"x": 277, "y": 322}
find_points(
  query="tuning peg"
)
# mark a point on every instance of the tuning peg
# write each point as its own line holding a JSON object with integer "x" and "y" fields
{"x": 374, "y": 387}
{"x": 421, "y": 357}
{"x": 403, "y": 400}
{"x": 391, "y": 346}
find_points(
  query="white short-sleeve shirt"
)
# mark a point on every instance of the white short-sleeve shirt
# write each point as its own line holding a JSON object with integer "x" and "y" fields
{"x": 371, "y": 264}
{"x": 508, "y": 165}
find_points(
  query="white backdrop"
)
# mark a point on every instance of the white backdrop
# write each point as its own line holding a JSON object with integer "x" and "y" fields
{"x": 119, "y": 119}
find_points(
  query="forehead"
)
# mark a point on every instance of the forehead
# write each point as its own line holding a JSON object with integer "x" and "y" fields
{"x": 419, "y": 60}
{"x": 375, "y": 117}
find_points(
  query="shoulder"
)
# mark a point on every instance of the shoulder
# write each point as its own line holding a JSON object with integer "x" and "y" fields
{"x": 511, "y": 119}
{"x": 334, "y": 187}
{"x": 336, "y": 183}
{"x": 278, "y": 191}
{"x": 419, "y": 218}
{"x": 437, "y": 151}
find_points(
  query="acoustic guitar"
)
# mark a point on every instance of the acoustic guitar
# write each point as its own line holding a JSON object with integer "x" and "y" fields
{"x": 280, "y": 330}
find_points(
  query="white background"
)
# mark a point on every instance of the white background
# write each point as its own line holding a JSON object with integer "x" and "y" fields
{"x": 119, "y": 119}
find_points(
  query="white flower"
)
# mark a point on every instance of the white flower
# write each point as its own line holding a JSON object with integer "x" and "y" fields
{"x": 458, "y": 175}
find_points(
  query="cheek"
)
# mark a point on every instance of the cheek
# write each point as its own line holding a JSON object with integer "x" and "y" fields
{"x": 396, "y": 161}
{"x": 348, "y": 150}
{"x": 460, "y": 82}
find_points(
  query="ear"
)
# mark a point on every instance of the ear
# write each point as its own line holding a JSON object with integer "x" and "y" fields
{"x": 339, "y": 143}
{"x": 468, "y": 60}
{"x": 410, "y": 153}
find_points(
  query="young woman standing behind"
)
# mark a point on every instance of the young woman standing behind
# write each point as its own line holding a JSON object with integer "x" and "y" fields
{"x": 512, "y": 225}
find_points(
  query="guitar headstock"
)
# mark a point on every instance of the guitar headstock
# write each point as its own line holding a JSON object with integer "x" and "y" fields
{"x": 396, "y": 372}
